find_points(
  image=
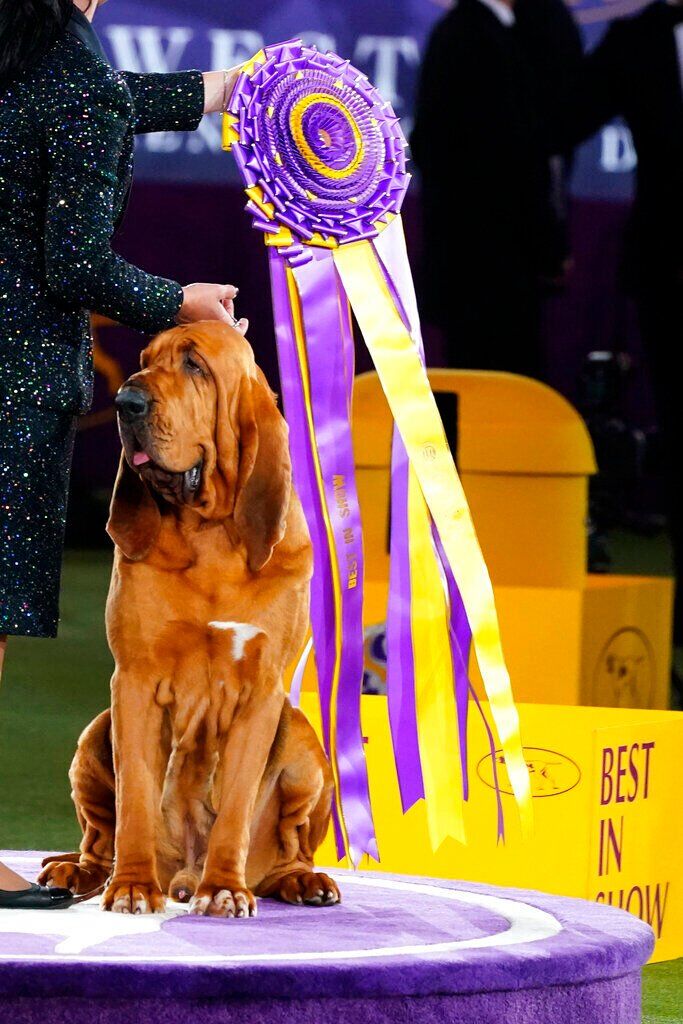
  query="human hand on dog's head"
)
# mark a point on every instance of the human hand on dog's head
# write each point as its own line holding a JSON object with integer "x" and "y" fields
{"x": 211, "y": 302}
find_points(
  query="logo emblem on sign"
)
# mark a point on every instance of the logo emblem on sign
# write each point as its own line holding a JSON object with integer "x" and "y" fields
{"x": 551, "y": 773}
{"x": 624, "y": 675}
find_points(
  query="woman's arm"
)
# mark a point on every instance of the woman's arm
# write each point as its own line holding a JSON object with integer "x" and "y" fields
{"x": 84, "y": 136}
{"x": 177, "y": 101}
{"x": 171, "y": 102}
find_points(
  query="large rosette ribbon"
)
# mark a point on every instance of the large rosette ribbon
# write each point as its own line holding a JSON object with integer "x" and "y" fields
{"x": 323, "y": 160}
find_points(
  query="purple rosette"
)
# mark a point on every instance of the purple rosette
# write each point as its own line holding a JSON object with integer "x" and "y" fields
{"x": 317, "y": 140}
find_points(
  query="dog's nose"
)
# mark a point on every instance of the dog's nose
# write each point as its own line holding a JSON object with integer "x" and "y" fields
{"x": 131, "y": 404}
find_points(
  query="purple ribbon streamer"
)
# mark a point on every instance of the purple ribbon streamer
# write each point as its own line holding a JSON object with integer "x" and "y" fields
{"x": 323, "y": 318}
{"x": 492, "y": 748}
{"x": 401, "y": 697}
{"x": 303, "y": 471}
{"x": 349, "y": 347}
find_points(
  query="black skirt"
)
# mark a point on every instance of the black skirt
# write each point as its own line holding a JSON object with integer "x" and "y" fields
{"x": 36, "y": 446}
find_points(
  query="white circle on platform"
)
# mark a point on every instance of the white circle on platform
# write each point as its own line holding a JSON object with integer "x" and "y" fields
{"x": 85, "y": 926}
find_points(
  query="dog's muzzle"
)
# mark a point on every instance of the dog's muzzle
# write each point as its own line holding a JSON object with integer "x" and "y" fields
{"x": 132, "y": 404}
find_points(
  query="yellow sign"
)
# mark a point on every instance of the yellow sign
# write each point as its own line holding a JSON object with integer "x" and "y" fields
{"x": 607, "y": 811}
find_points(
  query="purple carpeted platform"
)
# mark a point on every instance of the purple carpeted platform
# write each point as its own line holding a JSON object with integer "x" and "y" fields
{"x": 397, "y": 949}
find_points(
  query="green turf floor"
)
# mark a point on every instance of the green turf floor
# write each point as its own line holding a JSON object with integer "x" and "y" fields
{"x": 663, "y": 993}
{"x": 52, "y": 688}
{"x": 50, "y": 691}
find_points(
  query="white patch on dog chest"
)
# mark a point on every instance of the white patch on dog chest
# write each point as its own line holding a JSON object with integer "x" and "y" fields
{"x": 243, "y": 632}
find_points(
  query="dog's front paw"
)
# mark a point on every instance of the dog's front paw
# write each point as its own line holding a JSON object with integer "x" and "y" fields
{"x": 133, "y": 898}
{"x": 214, "y": 901}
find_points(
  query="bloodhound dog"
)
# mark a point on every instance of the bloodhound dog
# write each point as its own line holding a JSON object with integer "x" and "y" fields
{"x": 202, "y": 782}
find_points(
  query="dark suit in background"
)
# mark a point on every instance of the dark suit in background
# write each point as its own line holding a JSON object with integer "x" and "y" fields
{"x": 490, "y": 228}
{"x": 635, "y": 73}
{"x": 554, "y": 47}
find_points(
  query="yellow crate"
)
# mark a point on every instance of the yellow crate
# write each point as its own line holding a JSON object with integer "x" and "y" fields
{"x": 606, "y": 643}
{"x": 524, "y": 456}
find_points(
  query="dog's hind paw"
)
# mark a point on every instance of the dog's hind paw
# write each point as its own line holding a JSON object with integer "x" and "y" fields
{"x": 216, "y": 902}
{"x": 133, "y": 898}
{"x": 315, "y": 889}
{"x": 69, "y": 874}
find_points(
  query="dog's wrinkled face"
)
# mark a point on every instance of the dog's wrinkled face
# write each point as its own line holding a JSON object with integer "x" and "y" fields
{"x": 168, "y": 411}
{"x": 200, "y": 428}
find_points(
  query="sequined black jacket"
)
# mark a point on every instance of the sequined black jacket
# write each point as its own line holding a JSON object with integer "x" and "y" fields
{"x": 66, "y": 149}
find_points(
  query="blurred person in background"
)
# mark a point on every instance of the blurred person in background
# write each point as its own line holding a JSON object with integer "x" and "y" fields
{"x": 492, "y": 198}
{"x": 67, "y": 124}
{"x": 636, "y": 72}
{"x": 554, "y": 48}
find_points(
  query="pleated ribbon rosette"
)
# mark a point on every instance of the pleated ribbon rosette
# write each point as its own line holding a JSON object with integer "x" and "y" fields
{"x": 323, "y": 159}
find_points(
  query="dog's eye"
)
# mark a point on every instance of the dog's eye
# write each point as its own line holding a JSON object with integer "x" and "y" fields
{"x": 192, "y": 366}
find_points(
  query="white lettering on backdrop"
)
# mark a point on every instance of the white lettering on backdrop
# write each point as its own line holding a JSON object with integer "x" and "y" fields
{"x": 384, "y": 55}
{"x": 143, "y": 48}
{"x": 150, "y": 48}
{"x": 228, "y": 47}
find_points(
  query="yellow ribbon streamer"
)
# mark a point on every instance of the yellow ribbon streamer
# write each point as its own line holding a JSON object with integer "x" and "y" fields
{"x": 412, "y": 404}
{"x": 437, "y": 717}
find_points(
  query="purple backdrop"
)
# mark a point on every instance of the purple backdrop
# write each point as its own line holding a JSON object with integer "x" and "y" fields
{"x": 384, "y": 39}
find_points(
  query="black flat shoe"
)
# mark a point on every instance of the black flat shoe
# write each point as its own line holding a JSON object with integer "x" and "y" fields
{"x": 36, "y": 897}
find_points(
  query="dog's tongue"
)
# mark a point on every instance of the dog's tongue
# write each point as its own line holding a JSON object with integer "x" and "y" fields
{"x": 140, "y": 458}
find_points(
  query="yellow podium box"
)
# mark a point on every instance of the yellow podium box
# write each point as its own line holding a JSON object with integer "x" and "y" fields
{"x": 525, "y": 458}
{"x": 607, "y": 817}
{"x": 606, "y": 643}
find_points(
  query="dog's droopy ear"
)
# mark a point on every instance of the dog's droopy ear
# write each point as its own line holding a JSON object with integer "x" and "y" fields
{"x": 134, "y": 518}
{"x": 264, "y": 478}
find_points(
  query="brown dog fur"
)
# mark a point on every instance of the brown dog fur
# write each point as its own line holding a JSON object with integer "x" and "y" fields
{"x": 202, "y": 782}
